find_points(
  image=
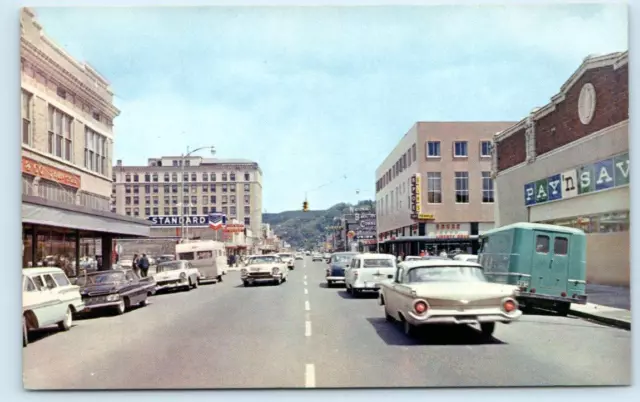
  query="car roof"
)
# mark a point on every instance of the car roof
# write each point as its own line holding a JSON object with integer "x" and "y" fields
{"x": 439, "y": 263}
{"x": 41, "y": 270}
{"x": 376, "y": 255}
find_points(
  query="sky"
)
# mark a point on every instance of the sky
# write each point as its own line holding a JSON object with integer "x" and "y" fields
{"x": 319, "y": 96}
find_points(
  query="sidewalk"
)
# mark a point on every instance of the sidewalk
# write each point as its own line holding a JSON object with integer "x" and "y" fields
{"x": 610, "y": 305}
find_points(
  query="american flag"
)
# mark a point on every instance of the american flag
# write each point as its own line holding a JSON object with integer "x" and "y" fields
{"x": 217, "y": 220}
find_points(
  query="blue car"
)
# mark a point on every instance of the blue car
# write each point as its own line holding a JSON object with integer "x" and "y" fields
{"x": 337, "y": 263}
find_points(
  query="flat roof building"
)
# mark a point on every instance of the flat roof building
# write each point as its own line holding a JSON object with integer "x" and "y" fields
{"x": 67, "y": 115}
{"x": 567, "y": 164}
{"x": 434, "y": 191}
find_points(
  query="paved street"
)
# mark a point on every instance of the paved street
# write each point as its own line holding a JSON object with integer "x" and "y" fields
{"x": 303, "y": 334}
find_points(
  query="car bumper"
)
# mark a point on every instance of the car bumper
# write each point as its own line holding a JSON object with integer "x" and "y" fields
{"x": 373, "y": 286}
{"x": 261, "y": 278}
{"x": 99, "y": 306}
{"x": 335, "y": 278}
{"x": 579, "y": 299}
{"x": 162, "y": 285}
{"x": 472, "y": 316}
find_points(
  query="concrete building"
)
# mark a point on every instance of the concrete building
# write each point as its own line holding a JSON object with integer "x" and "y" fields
{"x": 152, "y": 192}
{"x": 434, "y": 191}
{"x": 67, "y": 139}
{"x": 567, "y": 164}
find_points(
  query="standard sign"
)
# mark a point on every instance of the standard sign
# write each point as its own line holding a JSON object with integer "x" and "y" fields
{"x": 174, "y": 220}
{"x": 602, "y": 175}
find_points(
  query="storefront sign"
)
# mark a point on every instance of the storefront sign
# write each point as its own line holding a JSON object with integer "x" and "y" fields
{"x": 174, "y": 220}
{"x": 602, "y": 175}
{"x": 422, "y": 217}
{"x": 367, "y": 216}
{"x": 31, "y": 167}
{"x": 416, "y": 194}
{"x": 234, "y": 228}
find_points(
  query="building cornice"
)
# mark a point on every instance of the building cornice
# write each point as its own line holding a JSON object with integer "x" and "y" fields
{"x": 41, "y": 59}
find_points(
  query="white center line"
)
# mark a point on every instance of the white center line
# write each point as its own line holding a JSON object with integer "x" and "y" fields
{"x": 307, "y": 328}
{"x": 305, "y": 283}
{"x": 305, "y": 277}
{"x": 310, "y": 376}
{"x": 306, "y": 292}
{"x": 307, "y": 307}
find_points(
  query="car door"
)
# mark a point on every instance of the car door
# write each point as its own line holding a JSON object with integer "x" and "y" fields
{"x": 349, "y": 271}
{"x": 550, "y": 263}
{"x": 68, "y": 292}
{"x": 391, "y": 295}
{"x": 133, "y": 289}
{"x": 54, "y": 294}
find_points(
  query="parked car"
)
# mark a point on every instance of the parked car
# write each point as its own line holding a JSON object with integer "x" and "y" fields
{"x": 115, "y": 289}
{"x": 178, "y": 274}
{"x": 465, "y": 257}
{"x": 288, "y": 258}
{"x": 48, "y": 298}
{"x": 365, "y": 272}
{"x": 264, "y": 268}
{"x": 431, "y": 292}
{"x": 337, "y": 263}
{"x": 412, "y": 258}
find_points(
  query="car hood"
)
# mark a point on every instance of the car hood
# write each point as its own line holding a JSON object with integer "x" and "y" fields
{"x": 100, "y": 289}
{"x": 263, "y": 266}
{"x": 467, "y": 290}
{"x": 167, "y": 274}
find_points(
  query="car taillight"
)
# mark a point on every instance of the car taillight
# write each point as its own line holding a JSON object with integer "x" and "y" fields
{"x": 563, "y": 294}
{"x": 532, "y": 290}
{"x": 420, "y": 307}
{"x": 509, "y": 305}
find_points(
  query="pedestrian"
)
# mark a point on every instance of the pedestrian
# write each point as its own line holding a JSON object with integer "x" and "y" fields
{"x": 144, "y": 265}
{"x": 422, "y": 253}
{"x": 134, "y": 264}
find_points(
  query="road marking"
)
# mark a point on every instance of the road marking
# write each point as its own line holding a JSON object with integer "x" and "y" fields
{"x": 310, "y": 376}
{"x": 305, "y": 277}
{"x": 307, "y": 307}
{"x": 306, "y": 291}
{"x": 305, "y": 283}
{"x": 307, "y": 328}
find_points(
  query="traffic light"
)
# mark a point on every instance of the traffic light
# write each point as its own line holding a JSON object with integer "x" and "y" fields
{"x": 305, "y": 206}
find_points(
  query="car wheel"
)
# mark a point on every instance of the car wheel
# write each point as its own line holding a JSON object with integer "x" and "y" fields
{"x": 329, "y": 284}
{"x": 348, "y": 288}
{"x": 195, "y": 283}
{"x": 355, "y": 292}
{"x": 487, "y": 328}
{"x": 25, "y": 333}
{"x": 121, "y": 307}
{"x": 219, "y": 278}
{"x": 388, "y": 316}
{"x": 409, "y": 329}
{"x": 65, "y": 324}
{"x": 144, "y": 302}
{"x": 245, "y": 283}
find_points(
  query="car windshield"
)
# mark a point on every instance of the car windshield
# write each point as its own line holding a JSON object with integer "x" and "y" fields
{"x": 100, "y": 279}
{"x": 285, "y": 255}
{"x": 267, "y": 259}
{"x": 378, "y": 263}
{"x": 446, "y": 274}
{"x": 342, "y": 258}
{"x": 168, "y": 266}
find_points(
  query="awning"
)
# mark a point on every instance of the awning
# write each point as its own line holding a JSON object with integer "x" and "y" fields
{"x": 429, "y": 239}
{"x": 39, "y": 211}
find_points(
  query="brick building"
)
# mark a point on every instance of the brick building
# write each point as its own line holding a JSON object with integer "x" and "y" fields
{"x": 567, "y": 164}
{"x": 67, "y": 115}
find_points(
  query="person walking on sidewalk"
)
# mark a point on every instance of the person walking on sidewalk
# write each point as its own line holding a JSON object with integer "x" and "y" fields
{"x": 134, "y": 264}
{"x": 144, "y": 265}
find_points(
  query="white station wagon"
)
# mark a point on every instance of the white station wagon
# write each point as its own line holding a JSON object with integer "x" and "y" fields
{"x": 367, "y": 271}
{"x": 176, "y": 275}
{"x": 432, "y": 292}
{"x": 48, "y": 298}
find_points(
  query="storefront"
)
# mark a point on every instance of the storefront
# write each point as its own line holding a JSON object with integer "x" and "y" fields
{"x": 72, "y": 237}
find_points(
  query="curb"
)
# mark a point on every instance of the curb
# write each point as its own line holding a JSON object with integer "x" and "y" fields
{"x": 614, "y": 322}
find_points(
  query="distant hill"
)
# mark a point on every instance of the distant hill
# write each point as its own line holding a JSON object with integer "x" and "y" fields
{"x": 307, "y": 229}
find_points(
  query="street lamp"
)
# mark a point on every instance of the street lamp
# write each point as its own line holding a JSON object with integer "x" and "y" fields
{"x": 212, "y": 149}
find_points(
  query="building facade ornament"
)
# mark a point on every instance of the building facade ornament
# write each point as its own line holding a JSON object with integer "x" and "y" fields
{"x": 530, "y": 138}
{"x": 587, "y": 103}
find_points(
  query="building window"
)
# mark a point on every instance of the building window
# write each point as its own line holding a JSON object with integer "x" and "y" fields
{"x": 156, "y": 188}
{"x": 194, "y": 177}
{"x": 413, "y": 151}
{"x": 225, "y": 210}
{"x": 174, "y": 177}
{"x": 194, "y": 210}
{"x": 205, "y": 210}
{"x": 147, "y": 211}
{"x": 194, "y": 199}
{"x": 247, "y": 221}
{"x": 214, "y": 210}
{"x": 213, "y": 188}
{"x": 185, "y": 177}
{"x": 26, "y": 117}
{"x": 166, "y": 188}
{"x": 174, "y": 188}
{"x": 185, "y": 210}
{"x": 147, "y": 188}
{"x": 155, "y": 211}
{"x": 175, "y": 163}
{"x": 174, "y": 200}
{"x": 224, "y": 177}
{"x": 185, "y": 189}
{"x": 213, "y": 199}
{"x": 185, "y": 200}
{"x": 247, "y": 177}
{"x": 167, "y": 201}
{"x": 205, "y": 199}
{"x": 247, "y": 210}
{"x": 166, "y": 210}
{"x": 127, "y": 178}
{"x": 246, "y": 199}
{"x": 434, "y": 187}
{"x": 205, "y": 189}
{"x": 128, "y": 211}
{"x": 246, "y": 188}
{"x": 232, "y": 176}
{"x": 487, "y": 187}
{"x": 233, "y": 199}
{"x": 136, "y": 189}
{"x": 232, "y": 211}
{"x": 460, "y": 149}
{"x": 462, "y": 187}
{"x": 156, "y": 200}
{"x": 127, "y": 200}
{"x": 224, "y": 188}
{"x": 433, "y": 149}
{"x": 205, "y": 177}
{"x": 485, "y": 149}
{"x": 174, "y": 211}
{"x": 136, "y": 211}
{"x": 213, "y": 177}
{"x": 95, "y": 152}
{"x": 224, "y": 199}
{"x": 166, "y": 177}
{"x": 136, "y": 200}
{"x": 155, "y": 177}
{"x": 127, "y": 189}
{"x": 147, "y": 177}
{"x": 59, "y": 134}
{"x": 232, "y": 188}
{"x": 187, "y": 162}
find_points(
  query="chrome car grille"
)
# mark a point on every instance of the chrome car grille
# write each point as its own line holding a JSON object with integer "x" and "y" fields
{"x": 95, "y": 300}
{"x": 448, "y": 303}
{"x": 260, "y": 275}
